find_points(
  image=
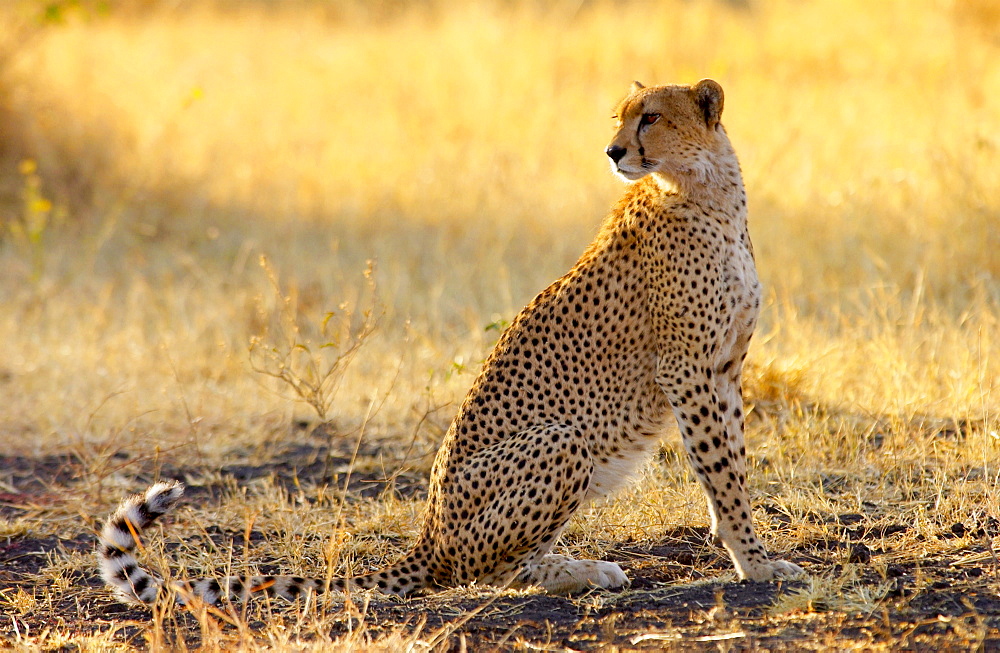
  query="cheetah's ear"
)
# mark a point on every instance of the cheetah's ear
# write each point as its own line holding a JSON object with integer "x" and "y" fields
{"x": 636, "y": 86}
{"x": 708, "y": 96}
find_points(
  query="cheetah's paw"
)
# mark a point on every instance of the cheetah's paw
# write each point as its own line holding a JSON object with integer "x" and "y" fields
{"x": 559, "y": 574}
{"x": 774, "y": 570}
{"x": 607, "y": 575}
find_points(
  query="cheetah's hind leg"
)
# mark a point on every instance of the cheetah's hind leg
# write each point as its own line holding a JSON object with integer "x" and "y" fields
{"x": 511, "y": 501}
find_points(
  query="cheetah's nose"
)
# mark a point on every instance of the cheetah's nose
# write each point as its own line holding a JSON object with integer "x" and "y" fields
{"x": 616, "y": 152}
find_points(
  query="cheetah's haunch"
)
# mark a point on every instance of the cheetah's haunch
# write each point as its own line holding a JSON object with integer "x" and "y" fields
{"x": 654, "y": 320}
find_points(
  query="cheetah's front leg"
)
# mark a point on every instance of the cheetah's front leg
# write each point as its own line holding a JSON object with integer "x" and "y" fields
{"x": 718, "y": 462}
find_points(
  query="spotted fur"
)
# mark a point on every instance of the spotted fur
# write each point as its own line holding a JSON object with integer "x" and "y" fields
{"x": 653, "y": 321}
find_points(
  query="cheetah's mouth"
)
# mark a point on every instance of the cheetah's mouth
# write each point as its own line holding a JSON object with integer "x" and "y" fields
{"x": 628, "y": 175}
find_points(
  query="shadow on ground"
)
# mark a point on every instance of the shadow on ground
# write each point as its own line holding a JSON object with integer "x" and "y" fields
{"x": 677, "y": 598}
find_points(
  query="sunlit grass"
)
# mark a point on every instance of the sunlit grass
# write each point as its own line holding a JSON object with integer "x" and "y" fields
{"x": 461, "y": 150}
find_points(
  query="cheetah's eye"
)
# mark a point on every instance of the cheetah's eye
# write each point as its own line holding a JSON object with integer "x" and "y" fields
{"x": 649, "y": 118}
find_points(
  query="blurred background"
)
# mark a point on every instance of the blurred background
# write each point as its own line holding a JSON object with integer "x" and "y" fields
{"x": 152, "y": 152}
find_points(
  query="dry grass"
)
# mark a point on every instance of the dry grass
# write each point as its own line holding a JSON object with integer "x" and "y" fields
{"x": 151, "y": 156}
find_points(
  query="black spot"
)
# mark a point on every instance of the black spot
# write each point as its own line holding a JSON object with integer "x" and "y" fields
{"x": 125, "y": 572}
{"x": 140, "y": 584}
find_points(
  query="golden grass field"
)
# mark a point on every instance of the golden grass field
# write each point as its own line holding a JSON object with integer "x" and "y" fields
{"x": 152, "y": 153}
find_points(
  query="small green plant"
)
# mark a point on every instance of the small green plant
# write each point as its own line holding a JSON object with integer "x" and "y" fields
{"x": 498, "y": 324}
{"x": 311, "y": 358}
{"x": 37, "y": 215}
{"x": 59, "y": 12}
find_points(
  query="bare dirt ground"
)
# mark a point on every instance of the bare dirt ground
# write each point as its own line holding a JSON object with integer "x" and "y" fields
{"x": 677, "y": 598}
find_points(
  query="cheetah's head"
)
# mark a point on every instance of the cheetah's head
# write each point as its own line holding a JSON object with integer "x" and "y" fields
{"x": 672, "y": 131}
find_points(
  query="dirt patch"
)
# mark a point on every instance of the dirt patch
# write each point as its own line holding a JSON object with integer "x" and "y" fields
{"x": 674, "y": 601}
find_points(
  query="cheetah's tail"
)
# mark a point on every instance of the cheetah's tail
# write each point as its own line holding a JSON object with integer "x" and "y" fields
{"x": 121, "y": 571}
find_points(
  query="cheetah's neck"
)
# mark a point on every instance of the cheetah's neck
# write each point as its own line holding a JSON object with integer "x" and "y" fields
{"x": 711, "y": 180}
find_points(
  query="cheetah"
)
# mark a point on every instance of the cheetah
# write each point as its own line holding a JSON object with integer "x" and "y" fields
{"x": 653, "y": 320}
